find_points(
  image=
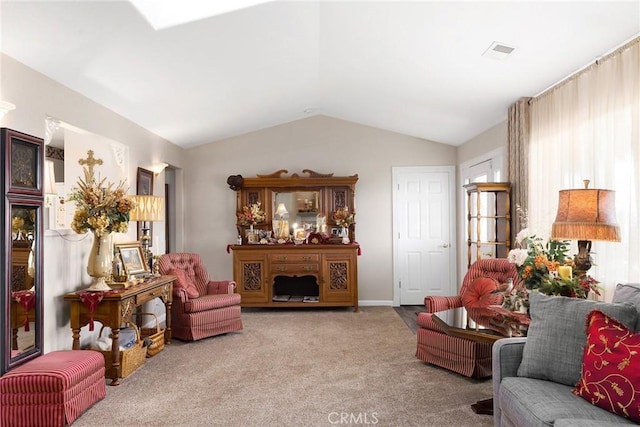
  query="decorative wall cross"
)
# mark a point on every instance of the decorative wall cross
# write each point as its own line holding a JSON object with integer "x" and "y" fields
{"x": 90, "y": 161}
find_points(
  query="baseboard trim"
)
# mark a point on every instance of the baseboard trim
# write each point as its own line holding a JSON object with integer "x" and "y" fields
{"x": 370, "y": 303}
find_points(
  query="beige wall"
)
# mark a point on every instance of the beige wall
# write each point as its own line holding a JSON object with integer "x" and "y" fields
{"x": 320, "y": 143}
{"x": 65, "y": 256}
{"x": 493, "y": 138}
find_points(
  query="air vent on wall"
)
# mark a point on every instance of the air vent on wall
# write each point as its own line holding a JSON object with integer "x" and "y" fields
{"x": 498, "y": 50}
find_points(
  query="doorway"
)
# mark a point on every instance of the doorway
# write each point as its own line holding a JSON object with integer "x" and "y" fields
{"x": 423, "y": 233}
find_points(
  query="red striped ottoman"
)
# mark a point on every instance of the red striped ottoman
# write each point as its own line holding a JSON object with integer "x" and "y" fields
{"x": 53, "y": 389}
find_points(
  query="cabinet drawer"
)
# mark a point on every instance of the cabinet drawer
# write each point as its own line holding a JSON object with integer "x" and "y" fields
{"x": 145, "y": 296}
{"x": 294, "y": 268}
{"x": 294, "y": 258}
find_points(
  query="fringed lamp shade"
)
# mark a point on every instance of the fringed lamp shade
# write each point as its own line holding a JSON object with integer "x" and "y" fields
{"x": 148, "y": 208}
{"x": 586, "y": 214}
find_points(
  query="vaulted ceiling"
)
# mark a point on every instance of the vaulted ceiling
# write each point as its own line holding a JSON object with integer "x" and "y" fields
{"x": 411, "y": 67}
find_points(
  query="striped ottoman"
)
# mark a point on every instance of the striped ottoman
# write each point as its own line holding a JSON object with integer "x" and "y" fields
{"x": 53, "y": 389}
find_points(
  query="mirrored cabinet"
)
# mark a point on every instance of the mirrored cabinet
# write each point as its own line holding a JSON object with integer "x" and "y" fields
{"x": 22, "y": 159}
{"x": 297, "y": 272}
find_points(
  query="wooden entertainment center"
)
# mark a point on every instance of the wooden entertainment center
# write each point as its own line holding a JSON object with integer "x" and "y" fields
{"x": 318, "y": 272}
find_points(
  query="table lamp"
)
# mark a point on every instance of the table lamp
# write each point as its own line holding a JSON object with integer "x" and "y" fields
{"x": 147, "y": 210}
{"x": 281, "y": 222}
{"x": 586, "y": 215}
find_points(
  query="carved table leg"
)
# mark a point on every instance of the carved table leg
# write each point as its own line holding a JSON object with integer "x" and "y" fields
{"x": 115, "y": 356}
{"x": 167, "y": 332}
{"x": 76, "y": 338}
{"x": 14, "y": 339}
{"x": 484, "y": 407}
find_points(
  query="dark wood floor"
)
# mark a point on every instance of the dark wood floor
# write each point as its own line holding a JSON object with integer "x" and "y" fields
{"x": 409, "y": 313}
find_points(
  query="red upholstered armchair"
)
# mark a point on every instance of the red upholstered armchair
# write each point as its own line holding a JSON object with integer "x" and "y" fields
{"x": 464, "y": 356}
{"x": 201, "y": 308}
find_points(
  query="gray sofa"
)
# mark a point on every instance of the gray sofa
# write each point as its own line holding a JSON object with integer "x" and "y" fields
{"x": 533, "y": 377}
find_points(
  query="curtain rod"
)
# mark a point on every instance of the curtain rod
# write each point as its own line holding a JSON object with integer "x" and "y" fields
{"x": 624, "y": 46}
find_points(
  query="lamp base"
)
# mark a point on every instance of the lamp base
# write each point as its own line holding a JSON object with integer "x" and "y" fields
{"x": 145, "y": 241}
{"x": 583, "y": 260}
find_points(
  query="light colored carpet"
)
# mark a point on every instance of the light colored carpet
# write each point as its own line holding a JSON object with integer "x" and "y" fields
{"x": 311, "y": 367}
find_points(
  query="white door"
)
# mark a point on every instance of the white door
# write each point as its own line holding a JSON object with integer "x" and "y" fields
{"x": 424, "y": 233}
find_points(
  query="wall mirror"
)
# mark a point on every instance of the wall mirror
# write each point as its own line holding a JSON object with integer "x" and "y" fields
{"x": 302, "y": 206}
{"x": 65, "y": 144}
{"x": 25, "y": 328}
{"x": 304, "y": 197}
{"x": 21, "y": 252}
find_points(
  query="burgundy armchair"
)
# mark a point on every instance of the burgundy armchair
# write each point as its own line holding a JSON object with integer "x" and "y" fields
{"x": 201, "y": 307}
{"x": 465, "y": 356}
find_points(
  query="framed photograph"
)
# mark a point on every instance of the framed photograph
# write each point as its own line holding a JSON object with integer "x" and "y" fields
{"x": 132, "y": 258}
{"x": 144, "y": 187}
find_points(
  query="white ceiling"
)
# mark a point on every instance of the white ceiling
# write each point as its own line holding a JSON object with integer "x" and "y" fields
{"x": 409, "y": 67}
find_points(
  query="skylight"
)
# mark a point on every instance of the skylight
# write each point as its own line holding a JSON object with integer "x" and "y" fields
{"x": 163, "y": 14}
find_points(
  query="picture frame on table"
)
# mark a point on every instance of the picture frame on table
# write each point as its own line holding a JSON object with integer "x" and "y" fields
{"x": 144, "y": 187}
{"x": 132, "y": 257}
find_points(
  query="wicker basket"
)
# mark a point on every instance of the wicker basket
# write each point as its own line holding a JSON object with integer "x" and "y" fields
{"x": 130, "y": 359}
{"x": 156, "y": 335}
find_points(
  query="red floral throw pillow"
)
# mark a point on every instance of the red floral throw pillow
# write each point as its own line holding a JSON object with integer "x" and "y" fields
{"x": 611, "y": 367}
{"x": 183, "y": 281}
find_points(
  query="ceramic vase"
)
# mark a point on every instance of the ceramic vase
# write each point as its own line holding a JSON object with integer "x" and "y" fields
{"x": 100, "y": 262}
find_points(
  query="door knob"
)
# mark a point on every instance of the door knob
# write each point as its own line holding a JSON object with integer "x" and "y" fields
{"x": 444, "y": 245}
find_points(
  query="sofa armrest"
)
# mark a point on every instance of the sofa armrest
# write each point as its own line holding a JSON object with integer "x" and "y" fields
{"x": 436, "y": 303}
{"x": 506, "y": 358}
{"x": 221, "y": 287}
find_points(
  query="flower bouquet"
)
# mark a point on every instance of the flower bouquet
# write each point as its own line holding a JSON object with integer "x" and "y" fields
{"x": 538, "y": 264}
{"x": 100, "y": 207}
{"x": 251, "y": 215}
{"x": 343, "y": 218}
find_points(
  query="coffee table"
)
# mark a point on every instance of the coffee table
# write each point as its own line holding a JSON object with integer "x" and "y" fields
{"x": 514, "y": 319}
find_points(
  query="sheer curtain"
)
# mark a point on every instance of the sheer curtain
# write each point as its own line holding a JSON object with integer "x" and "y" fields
{"x": 588, "y": 127}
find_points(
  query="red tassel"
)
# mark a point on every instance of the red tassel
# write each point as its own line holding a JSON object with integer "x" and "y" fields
{"x": 228, "y": 249}
{"x": 91, "y": 301}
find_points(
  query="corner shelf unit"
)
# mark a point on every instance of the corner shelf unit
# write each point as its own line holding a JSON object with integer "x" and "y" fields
{"x": 488, "y": 220}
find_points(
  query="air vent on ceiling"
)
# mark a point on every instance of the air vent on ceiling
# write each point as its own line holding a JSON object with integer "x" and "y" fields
{"x": 498, "y": 51}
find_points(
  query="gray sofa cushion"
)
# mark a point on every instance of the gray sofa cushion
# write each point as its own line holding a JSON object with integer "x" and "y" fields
{"x": 556, "y": 336}
{"x": 532, "y": 402}
{"x": 581, "y": 422}
{"x": 629, "y": 293}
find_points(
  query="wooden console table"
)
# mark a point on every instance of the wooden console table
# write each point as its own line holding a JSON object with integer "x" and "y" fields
{"x": 115, "y": 309}
{"x": 333, "y": 269}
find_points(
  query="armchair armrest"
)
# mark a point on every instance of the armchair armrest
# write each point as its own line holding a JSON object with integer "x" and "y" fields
{"x": 221, "y": 287}
{"x": 506, "y": 358}
{"x": 180, "y": 294}
{"x": 436, "y": 303}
